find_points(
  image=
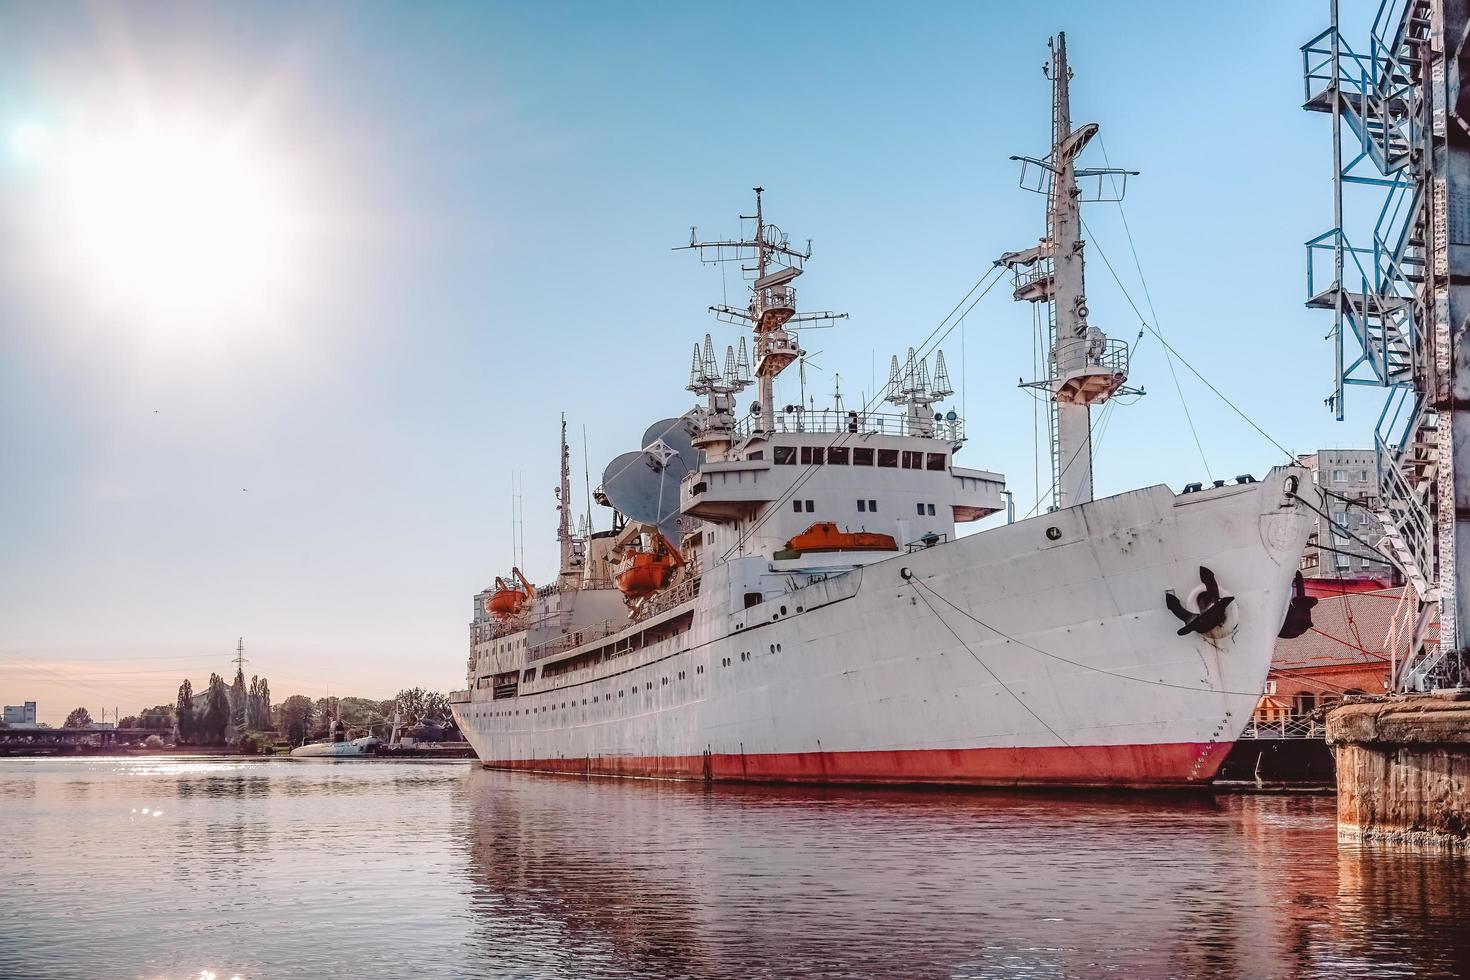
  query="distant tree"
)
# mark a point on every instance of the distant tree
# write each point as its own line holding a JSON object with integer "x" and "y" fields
{"x": 160, "y": 716}
{"x": 410, "y": 702}
{"x": 237, "y": 701}
{"x": 436, "y": 705}
{"x": 264, "y": 706}
{"x": 79, "y": 718}
{"x": 252, "y": 704}
{"x": 184, "y": 713}
{"x": 328, "y": 708}
{"x": 217, "y": 711}
{"x": 416, "y": 703}
{"x": 131, "y": 721}
{"x": 294, "y": 718}
{"x": 153, "y": 742}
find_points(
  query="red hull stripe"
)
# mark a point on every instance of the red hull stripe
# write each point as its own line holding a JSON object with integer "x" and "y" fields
{"x": 1174, "y": 764}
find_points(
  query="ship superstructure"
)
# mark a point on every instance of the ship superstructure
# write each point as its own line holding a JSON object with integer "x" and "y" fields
{"x": 783, "y": 595}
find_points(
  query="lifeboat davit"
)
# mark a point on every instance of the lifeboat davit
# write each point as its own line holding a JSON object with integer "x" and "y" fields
{"x": 507, "y": 600}
{"x": 824, "y": 536}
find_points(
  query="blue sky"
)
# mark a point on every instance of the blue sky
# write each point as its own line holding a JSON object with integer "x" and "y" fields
{"x": 483, "y": 200}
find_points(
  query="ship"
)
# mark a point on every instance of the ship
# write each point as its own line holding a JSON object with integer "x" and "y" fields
{"x": 784, "y": 595}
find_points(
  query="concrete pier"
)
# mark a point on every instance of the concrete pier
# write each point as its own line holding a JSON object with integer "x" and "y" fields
{"x": 1403, "y": 769}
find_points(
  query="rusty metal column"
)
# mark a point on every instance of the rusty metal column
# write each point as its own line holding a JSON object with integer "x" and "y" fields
{"x": 1449, "y": 188}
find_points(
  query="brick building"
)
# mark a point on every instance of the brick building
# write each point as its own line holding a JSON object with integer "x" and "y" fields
{"x": 1345, "y": 652}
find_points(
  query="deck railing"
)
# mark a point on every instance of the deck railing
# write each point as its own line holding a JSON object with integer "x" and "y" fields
{"x": 832, "y": 422}
{"x": 1284, "y": 728}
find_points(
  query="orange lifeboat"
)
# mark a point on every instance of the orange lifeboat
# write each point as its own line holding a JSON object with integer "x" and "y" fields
{"x": 824, "y": 536}
{"x": 507, "y": 600}
{"x": 643, "y": 572}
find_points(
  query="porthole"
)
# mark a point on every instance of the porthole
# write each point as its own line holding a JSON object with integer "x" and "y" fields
{"x": 783, "y": 610}
{"x": 773, "y": 648}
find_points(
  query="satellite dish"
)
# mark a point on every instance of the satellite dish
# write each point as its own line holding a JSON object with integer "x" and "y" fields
{"x": 951, "y": 416}
{"x": 755, "y": 408}
{"x": 645, "y": 490}
{"x": 677, "y": 434}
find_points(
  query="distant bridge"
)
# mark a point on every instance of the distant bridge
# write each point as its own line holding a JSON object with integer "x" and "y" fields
{"x": 56, "y": 741}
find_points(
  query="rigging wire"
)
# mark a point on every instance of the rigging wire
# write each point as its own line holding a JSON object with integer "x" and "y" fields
{"x": 1075, "y": 663}
{"x": 1170, "y": 350}
{"x": 1153, "y": 313}
{"x": 996, "y": 677}
{"x": 925, "y": 347}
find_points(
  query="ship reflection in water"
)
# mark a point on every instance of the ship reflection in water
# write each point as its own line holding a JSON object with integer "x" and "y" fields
{"x": 273, "y": 869}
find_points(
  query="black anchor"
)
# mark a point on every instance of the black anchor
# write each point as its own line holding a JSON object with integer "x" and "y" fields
{"x": 1212, "y": 606}
{"x": 1298, "y": 611}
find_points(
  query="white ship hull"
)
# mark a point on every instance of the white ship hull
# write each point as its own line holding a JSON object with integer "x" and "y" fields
{"x": 1036, "y": 653}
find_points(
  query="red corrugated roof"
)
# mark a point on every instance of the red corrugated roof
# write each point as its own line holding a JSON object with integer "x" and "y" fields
{"x": 1341, "y": 624}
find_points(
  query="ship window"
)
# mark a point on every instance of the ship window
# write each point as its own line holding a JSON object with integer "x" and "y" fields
{"x": 785, "y": 455}
{"x": 862, "y": 456}
{"x": 752, "y": 599}
{"x": 756, "y": 454}
{"x": 837, "y": 456}
{"x": 937, "y": 461}
{"x": 873, "y": 506}
{"x": 888, "y": 457}
{"x": 810, "y": 506}
{"x": 862, "y": 505}
{"x": 796, "y": 506}
{"x": 921, "y": 509}
{"x": 912, "y": 460}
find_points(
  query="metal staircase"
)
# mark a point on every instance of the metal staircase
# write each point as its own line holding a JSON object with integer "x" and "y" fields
{"x": 1382, "y": 327}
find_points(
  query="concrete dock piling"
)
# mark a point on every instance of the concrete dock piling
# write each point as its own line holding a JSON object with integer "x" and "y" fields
{"x": 1403, "y": 769}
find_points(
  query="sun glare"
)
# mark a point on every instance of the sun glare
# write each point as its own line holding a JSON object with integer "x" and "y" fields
{"x": 176, "y": 224}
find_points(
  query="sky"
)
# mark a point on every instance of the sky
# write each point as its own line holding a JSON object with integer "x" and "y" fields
{"x": 268, "y": 369}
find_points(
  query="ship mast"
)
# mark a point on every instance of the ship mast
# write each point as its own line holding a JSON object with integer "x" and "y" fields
{"x": 1086, "y": 367}
{"x": 768, "y": 257}
{"x": 570, "y": 575}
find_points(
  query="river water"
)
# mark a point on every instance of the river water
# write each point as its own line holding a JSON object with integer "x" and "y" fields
{"x": 185, "y": 867}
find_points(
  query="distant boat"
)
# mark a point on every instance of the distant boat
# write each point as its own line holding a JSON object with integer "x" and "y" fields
{"x": 338, "y": 746}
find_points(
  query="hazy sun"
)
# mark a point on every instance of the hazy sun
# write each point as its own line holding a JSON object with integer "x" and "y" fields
{"x": 178, "y": 224}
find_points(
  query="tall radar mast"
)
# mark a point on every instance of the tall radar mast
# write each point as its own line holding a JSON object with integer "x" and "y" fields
{"x": 1086, "y": 367}
{"x": 766, "y": 258}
